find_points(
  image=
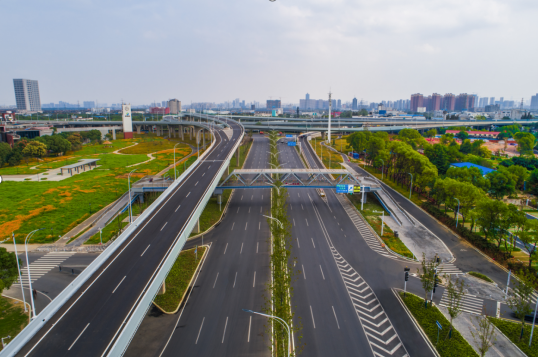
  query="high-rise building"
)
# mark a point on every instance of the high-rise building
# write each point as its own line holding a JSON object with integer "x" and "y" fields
{"x": 534, "y": 102}
{"x": 449, "y": 102}
{"x": 417, "y": 100}
{"x": 492, "y": 101}
{"x": 339, "y": 103}
{"x": 89, "y": 105}
{"x": 483, "y": 102}
{"x": 273, "y": 104}
{"x": 462, "y": 102}
{"x": 436, "y": 101}
{"x": 175, "y": 106}
{"x": 27, "y": 95}
{"x": 307, "y": 96}
{"x": 165, "y": 103}
{"x": 354, "y": 104}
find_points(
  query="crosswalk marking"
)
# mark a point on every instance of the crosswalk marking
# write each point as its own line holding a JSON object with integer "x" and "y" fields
{"x": 449, "y": 269}
{"x": 469, "y": 303}
{"x": 43, "y": 265}
{"x": 383, "y": 338}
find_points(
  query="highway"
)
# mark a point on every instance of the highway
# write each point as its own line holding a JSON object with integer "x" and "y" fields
{"x": 90, "y": 322}
{"x": 365, "y": 319}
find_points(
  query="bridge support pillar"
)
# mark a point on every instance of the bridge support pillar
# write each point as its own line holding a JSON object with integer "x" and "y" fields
{"x": 181, "y": 130}
{"x": 162, "y": 290}
{"x": 203, "y": 137}
{"x": 138, "y": 129}
{"x": 169, "y": 131}
{"x": 113, "y": 134}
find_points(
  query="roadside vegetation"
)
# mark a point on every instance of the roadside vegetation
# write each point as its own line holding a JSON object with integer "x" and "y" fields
{"x": 512, "y": 330}
{"x": 13, "y": 318}
{"x": 59, "y": 206}
{"x": 480, "y": 276}
{"x": 178, "y": 279}
{"x": 487, "y": 209}
{"x": 331, "y": 159}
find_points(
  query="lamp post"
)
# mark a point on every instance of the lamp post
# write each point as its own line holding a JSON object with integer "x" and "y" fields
{"x": 274, "y": 219}
{"x": 457, "y": 213}
{"x": 411, "y": 186}
{"x": 382, "y": 220}
{"x": 282, "y": 322}
{"x": 130, "y": 207}
{"x": 19, "y": 270}
{"x": 175, "y": 176}
{"x": 28, "y": 268}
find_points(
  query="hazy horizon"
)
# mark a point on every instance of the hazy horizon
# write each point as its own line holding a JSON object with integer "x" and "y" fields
{"x": 214, "y": 51}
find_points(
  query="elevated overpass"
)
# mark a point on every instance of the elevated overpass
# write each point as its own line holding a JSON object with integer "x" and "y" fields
{"x": 99, "y": 312}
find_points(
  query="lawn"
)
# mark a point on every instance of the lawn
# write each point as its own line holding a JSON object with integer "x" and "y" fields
{"x": 372, "y": 211}
{"x": 13, "y": 318}
{"x": 148, "y": 147}
{"x": 512, "y": 330}
{"x": 330, "y": 159}
{"x": 178, "y": 279}
{"x": 426, "y": 317}
{"x": 60, "y": 206}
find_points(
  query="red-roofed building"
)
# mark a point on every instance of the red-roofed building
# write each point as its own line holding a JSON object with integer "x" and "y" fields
{"x": 477, "y": 134}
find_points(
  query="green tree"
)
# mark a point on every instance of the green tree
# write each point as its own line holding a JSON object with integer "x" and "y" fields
{"x": 8, "y": 269}
{"x": 438, "y": 155}
{"x": 411, "y": 137}
{"x": 502, "y": 183}
{"x": 469, "y": 174}
{"x": 466, "y": 147}
{"x": 525, "y": 142}
{"x": 455, "y": 290}
{"x": 76, "y": 141}
{"x": 493, "y": 219}
{"x": 431, "y": 133}
{"x": 58, "y": 144}
{"x": 427, "y": 276}
{"x": 519, "y": 173}
{"x": 519, "y": 298}
{"x": 527, "y": 232}
{"x": 5, "y": 151}
{"x": 484, "y": 337}
{"x": 533, "y": 182}
{"x": 363, "y": 112}
{"x": 462, "y": 135}
{"x": 35, "y": 149}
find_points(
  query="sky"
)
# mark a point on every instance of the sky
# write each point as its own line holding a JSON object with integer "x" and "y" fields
{"x": 214, "y": 50}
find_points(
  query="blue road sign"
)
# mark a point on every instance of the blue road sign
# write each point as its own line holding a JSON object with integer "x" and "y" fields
{"x": 439, "y": 325}
{"x": 292, "y": 143}
{"x": 341, "y": 188}
{"x": 289, "y": 136}
{"x": 349, "y": 188}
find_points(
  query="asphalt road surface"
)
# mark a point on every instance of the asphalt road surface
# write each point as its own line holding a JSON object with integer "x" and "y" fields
{"x": 89, "y": 323}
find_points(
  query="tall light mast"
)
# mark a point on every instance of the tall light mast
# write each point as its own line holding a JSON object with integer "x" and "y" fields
{"x": 330, "y": 107}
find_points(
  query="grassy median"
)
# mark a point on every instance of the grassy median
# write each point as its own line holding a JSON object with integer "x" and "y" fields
{"x": 177, "y": 281}
{"x": 13, "y": 318}
{"x": 512, "y": 331}
{"x": 426, "y": 317}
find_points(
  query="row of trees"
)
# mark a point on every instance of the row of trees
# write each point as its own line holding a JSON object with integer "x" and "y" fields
{"x": 57, "y": 144}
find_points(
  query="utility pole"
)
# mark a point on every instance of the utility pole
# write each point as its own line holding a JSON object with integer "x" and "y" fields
{"x": 330, "y": 107}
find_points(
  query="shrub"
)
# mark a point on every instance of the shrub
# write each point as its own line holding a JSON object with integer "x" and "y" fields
{"x": 480, "y": 276}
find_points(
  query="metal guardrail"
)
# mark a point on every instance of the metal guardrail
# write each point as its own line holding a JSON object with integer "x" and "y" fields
{"x": 123, "y": 340}
{"x": 48, "y": 312}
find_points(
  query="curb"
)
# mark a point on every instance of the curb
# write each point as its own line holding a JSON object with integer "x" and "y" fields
{"x": 513, "y": 344}
{"x": 415, "y": 322}
{"x": 190, "y": 282}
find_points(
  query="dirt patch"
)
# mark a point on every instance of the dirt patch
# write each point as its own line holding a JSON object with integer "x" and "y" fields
{"x": 124, "y": 176}
{"x": 50, "y": 190}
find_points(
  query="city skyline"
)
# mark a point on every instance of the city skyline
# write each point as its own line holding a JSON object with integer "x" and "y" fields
{"x": 392, "y": 53}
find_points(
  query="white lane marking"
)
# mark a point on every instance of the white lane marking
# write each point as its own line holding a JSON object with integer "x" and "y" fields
{"x": 311, "y": 313}
{"x": 225, "y": 248}
{"x": 187, "y": 195}
{"x": 177, "y": 208}
{"x": 259, "y": 225}
{"x": 241, "y": 248}
{"x": 298, "y": 245}
{"x": 233, "y": 224}
{"x": 322, "y": 272}
{"x": 261, "y": 209}
{"x": 304, "y": 274}
{"x": 257, "y": 245}
{"x": 246, "y": 223}
{"x": 249, "y": 210}
{"x": 78, "y": 337}
{"x": 298, "y": 194}
{"x": 241, "y": 198}
{"x": 302, "y": 206}
{"x": 251, "y": 197}
{"x": 164, "y": 226}
{"x": 235, "y": 279}
{"x": 291, "y": 207}
{"x": 306, "y": 222}
{"x": 313, "y": 242}
{"x": 200, "y": 331}
{"x": 224, "y": 333}
{"x": 145, "y": 250}
{"x": 238, "y": 209}
{"x": 203, "y": 174}
{"x": 254, "y": 282}
{"x": 249, "y": 324}
{"x": 262, "y": 197}
{"x": 119, "y": 284}
{"x": 215, "y": 280}
{"x": 196, "y": 183}
{"x": 209, "y": 167}
{"x": 293, "y": 221}
{"x": 337, "y": 324}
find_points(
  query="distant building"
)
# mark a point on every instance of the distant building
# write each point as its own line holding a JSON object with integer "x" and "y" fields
{"x": 307, "y": 96}
{"x": 354, "y": 104}
{"x": 175, "y": 106}
{"x": 534, "y": 102}
{"x": 339, "y": 103}
{"x": 273, "y": 104}
{"x": 477, "y": 134}
{"x": 492, "y": 108}
{"x": 88, "y": 104}
{"x": 417, "y": 100}
{"x": 449, "y": 102}
{"x": 465, "y": 101}
{"x": 159, "y": 110}
{"x": 27, "y": 95}
{"x": 491, "y": 100}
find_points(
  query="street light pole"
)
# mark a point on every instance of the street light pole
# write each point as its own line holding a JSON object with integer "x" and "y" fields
{"x": 284, "y": 323}
{"x": 130, "y": 207}
{"x": 410, "y": 187}
{"x": 19, "y": 270}
{"x": 28, "y": 268}
{"x": 458, "y": 213}
{"x": 175, "y": 176}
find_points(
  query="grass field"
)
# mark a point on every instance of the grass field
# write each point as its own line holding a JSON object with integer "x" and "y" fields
{"x": 426, "y": 317}
{"x": 178, "y": 279}
{"x": 512, "y": 330}
{"x": 60, "y": 206}
{"x": 12, "y": 319}
{"x": 330, "y": 159}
